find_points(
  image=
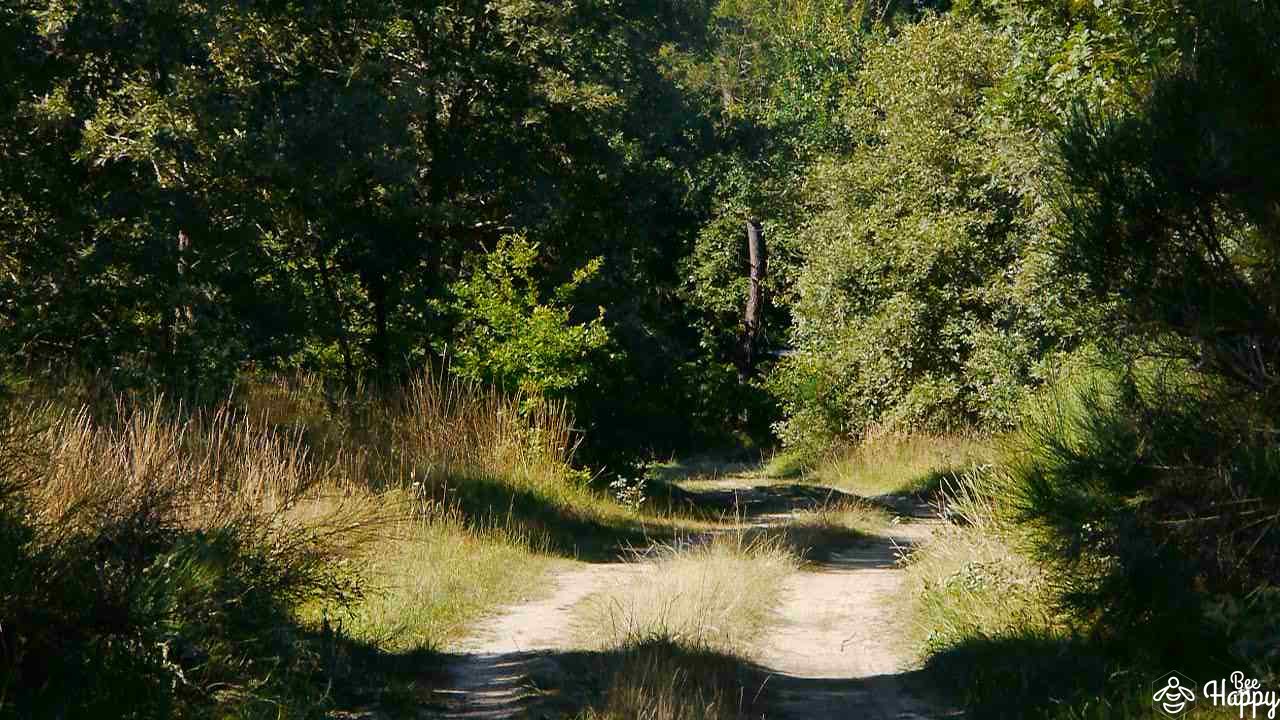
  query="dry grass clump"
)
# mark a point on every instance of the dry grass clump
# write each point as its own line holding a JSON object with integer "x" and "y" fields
{"x": 503, "y": 460}
{"x": 660, "y": 681}
{"x": 691, "y": 596}
{"x": 156, "y": 466}
{"x": 674, "y": 634}
{"x": 152, "y": 563}
{"x": 435, "y": 428}
{"x": 845, "y": 514}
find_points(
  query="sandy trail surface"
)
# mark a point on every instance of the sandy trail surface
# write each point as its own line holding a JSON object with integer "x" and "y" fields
{"x": 835, "y": 650}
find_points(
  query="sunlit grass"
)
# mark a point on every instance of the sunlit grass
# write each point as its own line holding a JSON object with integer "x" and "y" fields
{"x": 691, "y": 595}
{"x": 485, "y": 498}
{"x": 433, "y": 578}
{"x": 390, "y": 522}
{"x": 675, "y": 632}
{"x": 987, "y": 623}
{"x": 902, "y": 464}
{"x": 968, "y": 580}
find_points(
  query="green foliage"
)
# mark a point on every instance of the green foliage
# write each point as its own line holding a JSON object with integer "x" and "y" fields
{"x": 908, "y": 311}
{"x": 1169, "y": 212}
{"x": 511, "y": 337}
{"x": 188, "y": 189}
{"x": 771, "y": 76}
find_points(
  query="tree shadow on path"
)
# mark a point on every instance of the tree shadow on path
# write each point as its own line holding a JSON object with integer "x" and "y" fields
{"x": 568, "y": 684}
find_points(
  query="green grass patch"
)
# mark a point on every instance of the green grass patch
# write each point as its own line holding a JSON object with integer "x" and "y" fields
{"x": 894, "y": 464}
{"x": 432, "y": 580}
{"x": 785, "y": 465}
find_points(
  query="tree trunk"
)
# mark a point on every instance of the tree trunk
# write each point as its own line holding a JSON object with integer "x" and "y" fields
{"x": 339, "y": 311}
{"x": 754, "y": 317}
{"x": 175, "y": 321}
{"x": 376, "y": 286}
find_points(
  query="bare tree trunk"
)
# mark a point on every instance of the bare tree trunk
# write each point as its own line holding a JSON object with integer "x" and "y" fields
{"x": 754, "y": 316}
{"x": 339, "y": 311}
{"x": 176, "y": 320}
{"x": 183, "y": 313}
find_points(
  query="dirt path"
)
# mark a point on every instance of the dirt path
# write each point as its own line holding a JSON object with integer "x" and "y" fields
{"x": 491, "y": 678}
{"x": 834, "y": 652}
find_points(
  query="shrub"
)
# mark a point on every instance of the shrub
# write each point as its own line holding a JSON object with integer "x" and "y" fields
{"x": 1151, "y": 492}
{"x": 907, "y": 310}
{"x": 512, "y": 336}
{"x": 152, "y": 567}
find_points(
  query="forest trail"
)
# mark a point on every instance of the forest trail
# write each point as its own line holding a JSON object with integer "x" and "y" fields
{"x": 834, "y": 650}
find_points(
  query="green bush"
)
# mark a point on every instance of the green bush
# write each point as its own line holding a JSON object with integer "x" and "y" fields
{"x": 1150, "y": 490}
{"x": 908, "y": 311}
{"x": 513, "y": 337}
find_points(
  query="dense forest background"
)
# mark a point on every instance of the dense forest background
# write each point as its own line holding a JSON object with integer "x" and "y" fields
{"x": 554, "y": 197}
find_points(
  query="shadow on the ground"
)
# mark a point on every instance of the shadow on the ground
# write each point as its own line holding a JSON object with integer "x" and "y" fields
{"x": 1027, "y": 675}
{"x": 552, "y": 526}
{"x": 631, "y": 682}
{"x": 570, "y": 532}
{"x": 750, "y": 502}
{"x": 834, "y": 548}
{"x": 710, "y": 466}
{"x": 769, "y": 511}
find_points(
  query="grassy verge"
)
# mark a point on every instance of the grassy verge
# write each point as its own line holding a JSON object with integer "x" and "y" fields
{"x": 993, "y": 631}
{"x": 275, "y": 555}
{"x": 430, "y": 582}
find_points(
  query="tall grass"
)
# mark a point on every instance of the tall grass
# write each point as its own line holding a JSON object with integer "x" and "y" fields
{"x": 1125, "y": 530}
{"x": 971, "y": 581}
{"x": 434, "y": 429}
{"x": 155, "y": 561}
{"x": 161, "y": 560}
